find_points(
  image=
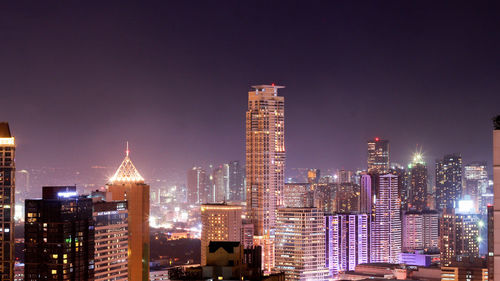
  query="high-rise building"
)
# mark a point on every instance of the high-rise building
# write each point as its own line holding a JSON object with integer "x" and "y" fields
{"x": 378, "y": 156}
{"x": 324, "y": 197}
{"x": 297, "y": 195}
{"x": 236, "y": 182}
{"x": 404, "y": 183}
{"x": 198, "y": 186}
{"x": 347, "y": 241}
{"x": 386, "y": 234}
{"x": 417, "y": 199}
{"x": 221, "y": 183}
{"x": 219, "y": 222}
{"x": 300, "y": 244}
{"x": 496, "y": 190}
{"x": 459, "y": 235}
{"x": 111, "y": 240}
{"x": 345, "y": 176}
{"x": 265, "y": 164}
{"x": 420, "y": 231}
{"x": 367, "y": 194}
{"x": 7, "y": 201}
{"x": 313, "y": 176}
{"x": 22, "y": 186}
{"x": 347, "y": 198}
{"x": 448, "y": 181}
{"x": 476, "y": 184}
{"x": 59, "y": 236}
{"x": 128, "y": 185}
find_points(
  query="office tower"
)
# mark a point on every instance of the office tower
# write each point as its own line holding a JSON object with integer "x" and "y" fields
{"x": 496, "y": 190}
{"x": 219, "y": 222}
{"x": 7, "y": 201}
{"x": 297, "y": 195}
{"x": 313, "y": 176}
{"x": 265, "y": 164}
{"x": 476, "y": 184}
{"x": 345, "y": 176}
{"x": 386, "y": 234}
{"x": 420, "y": 231}
{"x": 404, "y": 183}
{"x": 221, "y": 183}
{"x": 324, "y": 197}
{"x": 347, "y": 198}
{"x": 448, "y": 181}
{"x": 128, "y": 185}
{"x": 366, "y": 194}
{"x": 300, "y": 244}
{"x": 111, "y": 240}
{"x": 459, "y": 235}
{"x": 417, "y": 199}
{"x": 22, "y": 186}
{"x": 236, "y": 182}
{"x": 348, "y": 241}
{"x": 59, "y": 236}
{"x": 198, "y": 186}
{"x": 378, "y": 156}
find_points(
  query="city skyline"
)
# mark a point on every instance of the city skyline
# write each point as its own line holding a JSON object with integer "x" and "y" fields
{"x": 339, "y": 93}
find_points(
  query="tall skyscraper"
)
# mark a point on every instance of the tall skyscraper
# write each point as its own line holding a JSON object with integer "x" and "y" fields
{"x": 300, "y": 244}
{"x": 198, "y": 186}
{"x": 111, "y": 240}
{"x": 476, "y": 184}
{"x": 236, "y": 181}
{"x": 378, "y": 156}
{"x": 219, "y": 222}
{"x": 7, "y": 201}
{"x": 265, "y": 164}
{"x": 59, "y": 236}
{"x": 496, "y": 190}
{"x": 417, "y": 199}
{"x": 128, "y": 185}
{"x": 386, "y": 234}
{"x": 448, "y": 181}
{"x": 221, "y": 183}
{"x": 458, "y": 237}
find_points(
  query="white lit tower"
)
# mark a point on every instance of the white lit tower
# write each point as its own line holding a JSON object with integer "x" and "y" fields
{"x": 265, "y": 163}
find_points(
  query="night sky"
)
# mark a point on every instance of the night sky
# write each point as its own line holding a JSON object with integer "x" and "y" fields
{"x": 79, "y": 78}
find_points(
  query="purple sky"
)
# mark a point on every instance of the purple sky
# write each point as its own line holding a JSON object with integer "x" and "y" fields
{"x": 79, "y": 79}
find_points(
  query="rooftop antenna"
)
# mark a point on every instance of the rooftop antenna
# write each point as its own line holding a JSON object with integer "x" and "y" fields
{"x": 127, "y": 152}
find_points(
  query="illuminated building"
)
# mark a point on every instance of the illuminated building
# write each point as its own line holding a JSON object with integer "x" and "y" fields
{"x": 476, "y": 184}
{"x": 128, "y": 185}
{"x": 420, "y": 231}
{"x": 347, "y": 197}
{"x": 464, "y": 272}
{"x": 111, "y": 240}
{"x": 378, "y": 156}
{"x": 219, "y": 222}
{"x": 347, "y": 241}
{"x": 300, "y": 244}
{"x": 297, "y": 195}
{"x": 236, "y": 182}
{"x": 345, "y": 176}
{"x": 198, "y": 186}
{"x": 448, "y": 181}
{"x": 496, "y": 190}
{"x": 386, "y": 234}
{"x": 247, "y": 234}
{"x": 325, "y": 197}
{"x": 221, "y": 183}
{"x": 367, "y": 194}
{"x": 22, "y": 186}
{"x": 313, "y": 176}
{"x": 417, "y": 199}
{"x": 7, "y": 199}
{"x": 459, "y": 235}
{"x": 404, "y": 183}
{"x": 265, "y": 164}
{"x": 59, "y": 236}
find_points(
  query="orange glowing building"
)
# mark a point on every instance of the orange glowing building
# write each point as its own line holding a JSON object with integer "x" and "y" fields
{"x": 127, "y": 184}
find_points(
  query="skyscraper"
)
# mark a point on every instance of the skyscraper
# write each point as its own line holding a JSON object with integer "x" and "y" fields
{"x": 128, "y": 185}
{"x": 347, "y": 198}
{"x": 378, "y": 156}
{"x": 221, "y": 183}
{"x": 219, "y": 222}
{"x": 236, "y": 181}
{"x": 297, "y": 195}
{"x": 496, "y": 190}
{"x": 59, "y": 236}
{"x": 265, "y": 164}
{"x": 7, "y": 199}
{"x": 300, "y": 244}
{"x": 198, "y": 186}
{"x": 458, "y": 237}
{"x": 420, "y": 231}
{"x": 448, "y": 181}
{"x": 386, "y": 234}
{"x": 417, "y": 199}
{"x": 476, "y": 183}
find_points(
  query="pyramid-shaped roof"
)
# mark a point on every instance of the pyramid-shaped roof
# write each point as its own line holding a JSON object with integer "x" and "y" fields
{"x": 127, "y": 173}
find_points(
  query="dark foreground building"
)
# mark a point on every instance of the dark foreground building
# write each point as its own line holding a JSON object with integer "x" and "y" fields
{"x": 59, "y": 236}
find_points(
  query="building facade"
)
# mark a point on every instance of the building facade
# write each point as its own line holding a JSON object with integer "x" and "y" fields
{"x": 7, "y": 202}
{"x": 476, "y": 184}
{"x": 265, "y": 164}
{"x": 378, "y": 156}
{"x": 417, "y": 199}
{"x": 198, "y": 186}
{"x": 496, "y": 205}
{"x": 458, "y": 237}
{"x": 420, "y": 231}
{"x": 448, "y": 181}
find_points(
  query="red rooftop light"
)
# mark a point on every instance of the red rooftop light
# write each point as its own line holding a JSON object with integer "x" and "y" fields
{"x": 377, "y": 139}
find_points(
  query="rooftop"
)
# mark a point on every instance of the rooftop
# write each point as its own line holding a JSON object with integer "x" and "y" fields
{"x": 5, "y": 130}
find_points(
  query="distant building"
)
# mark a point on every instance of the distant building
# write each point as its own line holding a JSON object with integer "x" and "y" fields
{"x": 237, "y": 190}
{"x": 128, "y": 185}
{"x": 345, "y": 176}
{"x": 300, "y": 244}
{"x": 476, "y": 184}
{"x": 297, "y": 195}
{"x": 417, "y": 198}
{"x": 386, "y": 234}
{"x": 420, "y": 231}
{"x": 198, "y": 186}
{"x": 378, "y": 156}
{"x": 313, "y": 176}
{"x": 221, "y": 183}
{"x": 219, "y": 222}
{"x": 448, "y": 181}
{"x": 59, "y": 236}
{"x": 7, "y": 198}
{"x": 325, "y": 197}
{"x": 458, "y": 237}
{"x": 111, "y": 240}
{"x": 347, "y": 198}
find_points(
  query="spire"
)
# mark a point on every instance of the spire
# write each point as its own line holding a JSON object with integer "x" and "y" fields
{"x": 127, "y": 173}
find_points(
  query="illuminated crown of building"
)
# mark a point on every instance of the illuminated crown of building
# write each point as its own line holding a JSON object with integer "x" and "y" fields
{"x": 126, "y": 173}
